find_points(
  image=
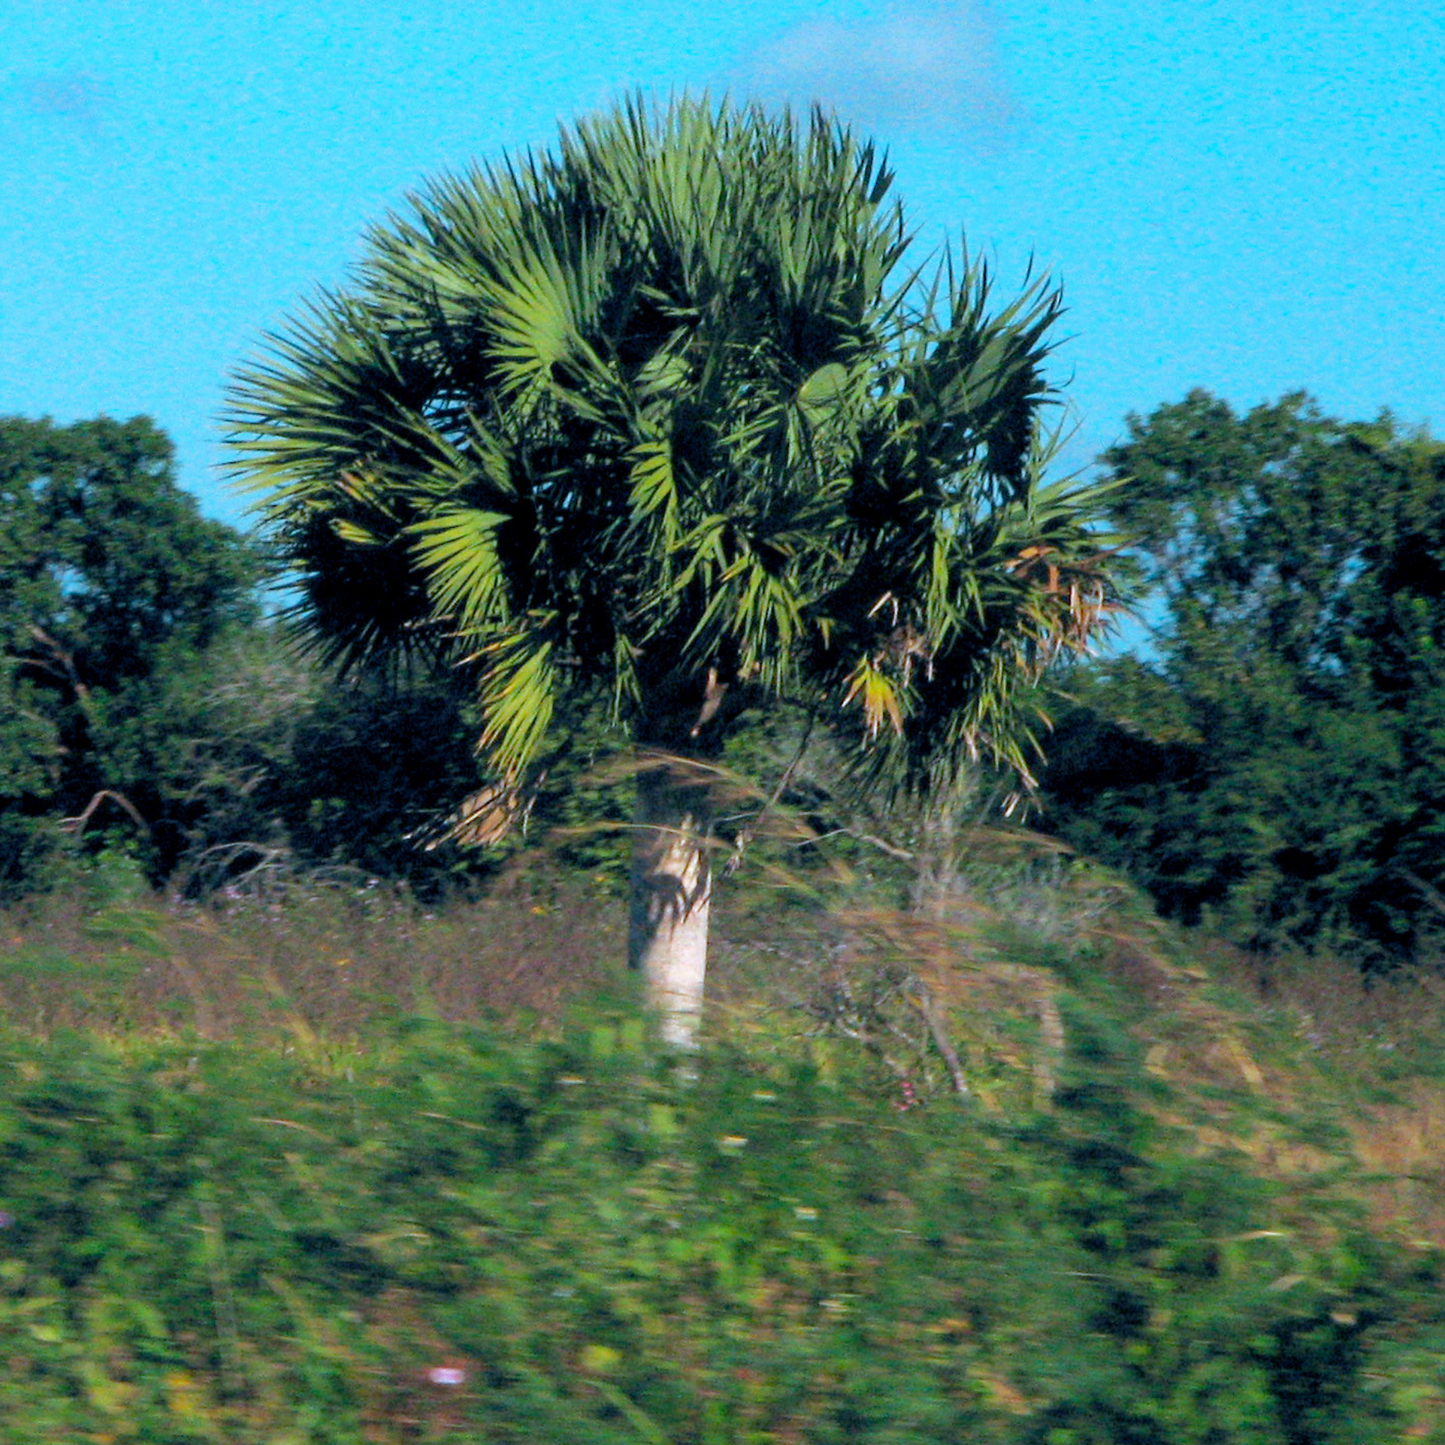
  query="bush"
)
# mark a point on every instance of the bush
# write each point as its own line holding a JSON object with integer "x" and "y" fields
{"x": 460, "y": 1234}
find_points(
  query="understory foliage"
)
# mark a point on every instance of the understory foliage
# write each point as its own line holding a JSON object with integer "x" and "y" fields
{"x": 1274, "y": 758}
{"x": 455, "y": 1234}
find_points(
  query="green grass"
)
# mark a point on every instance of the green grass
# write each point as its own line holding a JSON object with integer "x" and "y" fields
{"x": 448, "y": 1190}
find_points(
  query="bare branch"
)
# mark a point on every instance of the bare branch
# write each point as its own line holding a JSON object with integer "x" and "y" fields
{"x": 77, "y": 823}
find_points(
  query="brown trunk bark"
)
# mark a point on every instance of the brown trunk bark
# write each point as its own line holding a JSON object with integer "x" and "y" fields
{"x": 671, "y": 893}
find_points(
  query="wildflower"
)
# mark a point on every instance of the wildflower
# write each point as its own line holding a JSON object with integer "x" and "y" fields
{"x": 732, "y": 1142}
{"x": 183, "y": 1393}
{"x": 448, "y": 1375}
{"x": 600, "y": 1359}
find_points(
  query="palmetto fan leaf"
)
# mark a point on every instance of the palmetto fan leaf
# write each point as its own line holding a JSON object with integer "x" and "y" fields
{"x": 518, "y": 689}
{"x": 662, "y": 408}
{"x": 457, "y": 552}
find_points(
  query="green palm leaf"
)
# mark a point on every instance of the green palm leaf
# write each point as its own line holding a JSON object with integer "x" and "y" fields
{"x": 457, "y": 551}
{"x": 672, "y": 400}
{"x": 518, "y": 692}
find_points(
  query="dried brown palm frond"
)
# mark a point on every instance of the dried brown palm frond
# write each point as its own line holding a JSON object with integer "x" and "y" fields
{"x": 482, "y": 819}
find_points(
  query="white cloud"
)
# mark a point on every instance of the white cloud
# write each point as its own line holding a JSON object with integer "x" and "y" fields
{"x": 913, "y": 66}
{"x": 70, "y": 98}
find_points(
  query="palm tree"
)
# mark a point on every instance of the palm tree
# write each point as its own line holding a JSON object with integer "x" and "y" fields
{"x": 665, "y": 413}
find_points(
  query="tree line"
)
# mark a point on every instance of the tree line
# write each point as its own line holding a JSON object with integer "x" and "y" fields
{"x": 659, "y": 439}
{"x": 1272, "y": 760}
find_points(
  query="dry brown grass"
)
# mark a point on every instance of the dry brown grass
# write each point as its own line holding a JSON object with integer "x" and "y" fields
{"x": 330, "y": 961}
{"x": 1300, "y": 1068}
{"x": 1376, "y": 1049}
{"x": 1247, "y": 1052}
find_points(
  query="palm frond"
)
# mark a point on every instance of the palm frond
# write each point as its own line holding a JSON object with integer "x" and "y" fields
{"x": 670, "y": 398}
{"x": 456, "y": 550}
{"x": 518, "y": 691}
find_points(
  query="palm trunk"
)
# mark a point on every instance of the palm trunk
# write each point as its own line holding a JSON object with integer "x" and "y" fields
{"x": 936, "y": 871}
{"x": 671, "y": 892}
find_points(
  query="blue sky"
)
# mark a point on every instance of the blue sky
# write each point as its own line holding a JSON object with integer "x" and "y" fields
{"x": 1234, "y": 196}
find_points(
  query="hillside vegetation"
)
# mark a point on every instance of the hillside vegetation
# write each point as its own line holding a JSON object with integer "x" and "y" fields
{"x": 651, "y": 566}
{"x": 337, "y": 1169}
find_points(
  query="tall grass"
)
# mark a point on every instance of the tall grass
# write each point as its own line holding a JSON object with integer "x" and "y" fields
{"x": 337, "y": 959}
{"x": 334, "y": 1167}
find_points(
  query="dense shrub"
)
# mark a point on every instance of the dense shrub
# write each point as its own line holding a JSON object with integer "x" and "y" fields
{"x": 460, "y": 1235}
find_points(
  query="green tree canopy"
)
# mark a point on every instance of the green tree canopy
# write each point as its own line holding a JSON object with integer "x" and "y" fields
{"x": 665, "y": 414}
{"x": 1278, "y": 754}
{"x": 110, "y": 580}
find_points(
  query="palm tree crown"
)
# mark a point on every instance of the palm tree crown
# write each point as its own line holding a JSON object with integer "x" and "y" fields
{"x": 666, "y": 411}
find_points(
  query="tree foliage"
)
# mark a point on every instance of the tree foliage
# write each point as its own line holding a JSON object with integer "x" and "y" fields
{"x": 112, "y": 585}
{"x": 1275, "y": 757}
{"x": 666, "y": 412}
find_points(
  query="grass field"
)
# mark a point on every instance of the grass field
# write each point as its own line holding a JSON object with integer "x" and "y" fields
{"x": 331, "y": 1167}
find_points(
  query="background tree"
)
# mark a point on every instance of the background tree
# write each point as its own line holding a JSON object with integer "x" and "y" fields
{"x": 111, "y": 584}
{"x": 1275, "y": 758}
{"x": 370, "y": 765}
{"x": 662, "y": 417}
